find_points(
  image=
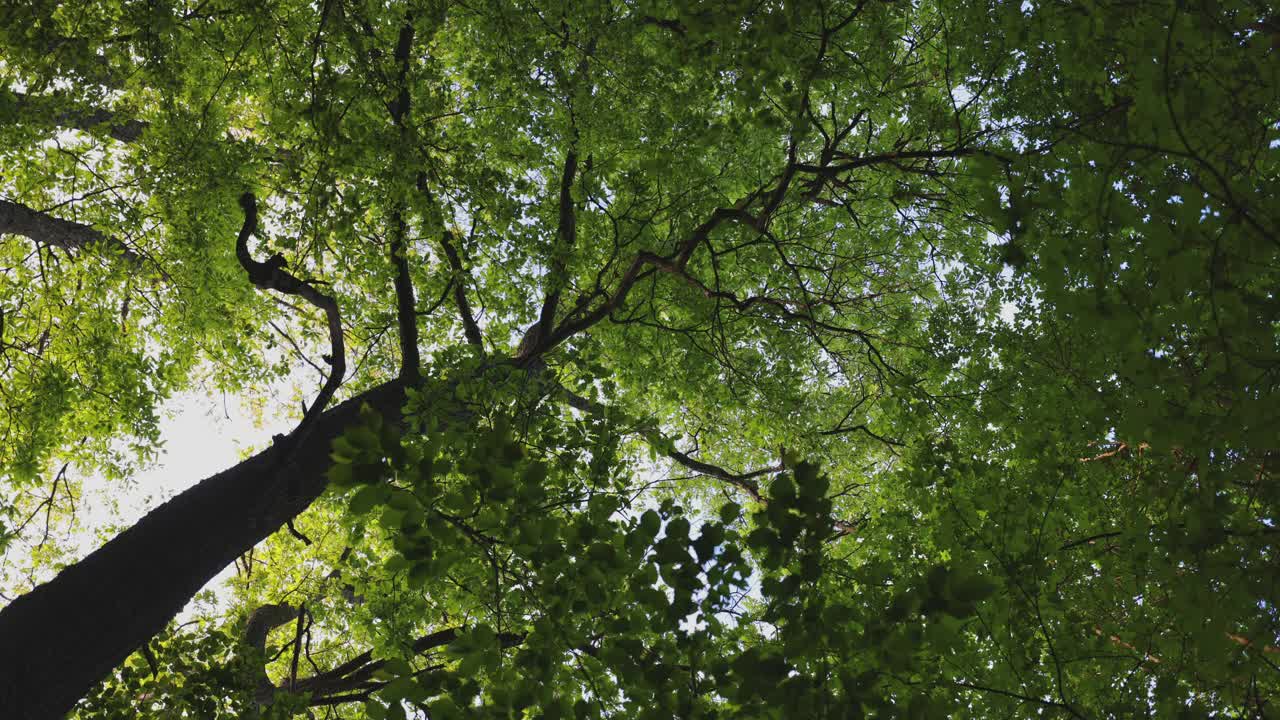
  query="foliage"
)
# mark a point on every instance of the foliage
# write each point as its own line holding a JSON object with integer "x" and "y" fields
{"x": 207, "y": 674}
{"x": 830, "y": 359}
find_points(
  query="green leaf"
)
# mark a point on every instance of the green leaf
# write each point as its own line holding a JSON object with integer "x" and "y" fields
{"x": 367, "y": 498}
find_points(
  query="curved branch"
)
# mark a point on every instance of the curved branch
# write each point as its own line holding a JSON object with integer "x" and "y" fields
{"x": 262, "y": 621}
{"x": 272, "y": 275}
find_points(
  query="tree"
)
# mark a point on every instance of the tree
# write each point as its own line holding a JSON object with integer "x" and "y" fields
{"x": 847, "y": 359}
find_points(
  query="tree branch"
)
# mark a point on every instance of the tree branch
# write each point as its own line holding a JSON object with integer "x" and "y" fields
{"x": 405, "y": 302}
{"x": 82, "y": 118}
{"x": 571, "y": 326}
{"x": 469, "y": 326}
{"x": 746, "y": 482}
{"x": 410, "y": 360}
{"x": 854, "y": 163}
{"x": 261, "y": 622}
{"x": 773, "y": 195}
{"x": 406, "y": 315}
{"x": 47, "y": 230}
{"x": 297, "y": 647}
{"x": 355, "y": 673}
{"x": 567, "y": 232}
{"x": 272, "y": 275}
{"x": 1024, "y": 698}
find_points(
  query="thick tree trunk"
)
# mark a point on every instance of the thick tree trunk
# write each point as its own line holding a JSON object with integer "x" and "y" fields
{"x": 64, "y": 636}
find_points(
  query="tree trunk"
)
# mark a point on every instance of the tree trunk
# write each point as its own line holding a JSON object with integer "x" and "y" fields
{"x": 62, "y": 637}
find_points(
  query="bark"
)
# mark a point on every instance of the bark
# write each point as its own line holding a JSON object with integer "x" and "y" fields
{"x": 62, "y": 637}
{"x": 18, "y": 219}
{"x": 261, "y": 622}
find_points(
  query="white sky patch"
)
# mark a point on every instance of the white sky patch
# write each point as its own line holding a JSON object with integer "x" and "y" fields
{"x": 1008, "y": 312}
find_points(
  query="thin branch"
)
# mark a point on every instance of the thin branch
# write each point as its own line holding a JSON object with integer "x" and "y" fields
{"x": 1024, "y": 698}
{"x": 469, "y": 326}
{"x": 854, "y": 163}
{"x": 82, "y": 118}
{"x": 864, "y": 429}
{"x": 1090, "y": 540}
{"x": 747, "y": 482}
{"x": 297, "y": 533}
{"x": 297, "y": 646}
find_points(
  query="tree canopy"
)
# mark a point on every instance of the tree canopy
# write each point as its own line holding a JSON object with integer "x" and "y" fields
{"x": 652, "y": 359}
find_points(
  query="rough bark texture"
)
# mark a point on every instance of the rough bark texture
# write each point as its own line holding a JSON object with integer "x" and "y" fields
{"x": 61, "y": 638}
{"x": 46, "y": 229}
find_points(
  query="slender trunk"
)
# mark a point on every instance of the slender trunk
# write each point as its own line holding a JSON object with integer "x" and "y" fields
{"x": 62, "y": 637}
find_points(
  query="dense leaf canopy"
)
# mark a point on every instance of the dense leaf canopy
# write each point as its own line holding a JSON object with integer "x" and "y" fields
{"x": 753, "y": 359}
